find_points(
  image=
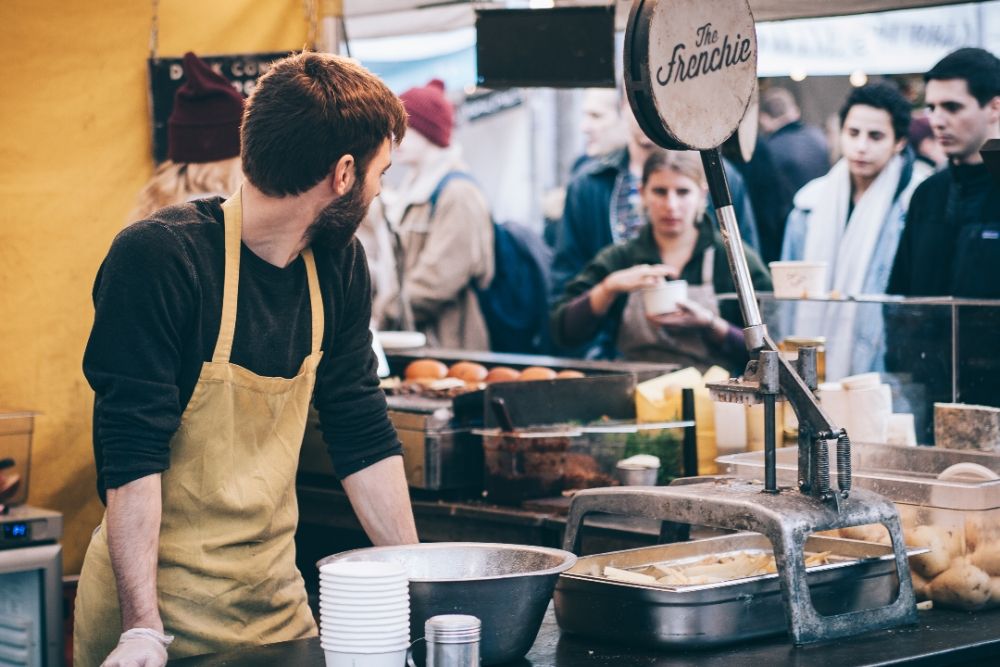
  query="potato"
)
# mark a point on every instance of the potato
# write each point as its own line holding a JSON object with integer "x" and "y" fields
{"x": 994, "y": 591}
{"x": 962, "y": 585}
{"x": 873, "y": 532}
{"x": 936, "y": 561}
{"x": 909, "y": 516}
{"x": 919, "y": 585}
{"x": 987, "y": 558}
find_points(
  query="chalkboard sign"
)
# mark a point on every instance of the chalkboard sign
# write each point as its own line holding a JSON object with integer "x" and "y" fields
{"x": 563, "y": 47}
{"x": 166, "y": 75}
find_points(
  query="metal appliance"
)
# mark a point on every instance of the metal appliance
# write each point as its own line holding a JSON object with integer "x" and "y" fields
{"x": 690, "y": 73}
{"x": 31, "y": 632}
{"x": 438, "y": 453}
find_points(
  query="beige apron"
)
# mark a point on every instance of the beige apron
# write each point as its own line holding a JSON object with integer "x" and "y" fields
{"x": 641, "y": 340}
{"x": 226, "y": 574}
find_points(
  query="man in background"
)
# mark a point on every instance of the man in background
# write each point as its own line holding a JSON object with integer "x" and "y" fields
{"x": 951, "y": 244}
{"x": 800, "y": 151}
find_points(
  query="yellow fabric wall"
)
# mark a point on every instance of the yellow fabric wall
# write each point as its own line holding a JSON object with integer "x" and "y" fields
{"x": 74, "y": 150}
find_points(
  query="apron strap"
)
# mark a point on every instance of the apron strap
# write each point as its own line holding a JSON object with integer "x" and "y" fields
{"x": 708, "y": 266}
{"x": 315, "y": 300}
{"x": 232, "y": 210}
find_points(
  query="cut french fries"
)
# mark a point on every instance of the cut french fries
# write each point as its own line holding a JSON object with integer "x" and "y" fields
{"x": 708, "y": 570}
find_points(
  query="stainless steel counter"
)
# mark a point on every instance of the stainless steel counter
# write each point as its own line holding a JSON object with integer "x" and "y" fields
{"x": 941, "y": 637}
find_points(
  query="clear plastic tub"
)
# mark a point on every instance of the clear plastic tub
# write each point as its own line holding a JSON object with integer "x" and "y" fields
{"x": 958, "y": 518}
{"x": 523, "y": 465}
{"x": 15, "y": 456}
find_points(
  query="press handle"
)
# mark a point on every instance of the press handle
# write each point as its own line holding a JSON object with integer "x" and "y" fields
{"x": 627, "y": 501}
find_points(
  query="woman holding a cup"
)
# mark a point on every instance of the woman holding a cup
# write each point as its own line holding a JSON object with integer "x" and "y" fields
{"x": 655, "y": 296}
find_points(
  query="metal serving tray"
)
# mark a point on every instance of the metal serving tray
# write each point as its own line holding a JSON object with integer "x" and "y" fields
{"x": 860, "y": 576}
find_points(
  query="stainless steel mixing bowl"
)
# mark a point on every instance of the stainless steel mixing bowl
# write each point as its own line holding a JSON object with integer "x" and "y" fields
{"x": 506, "y": 586}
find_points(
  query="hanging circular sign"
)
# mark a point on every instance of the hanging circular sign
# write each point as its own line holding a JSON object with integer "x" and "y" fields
{"x": 690, "y": 69}
{"x": 741, "y": 145}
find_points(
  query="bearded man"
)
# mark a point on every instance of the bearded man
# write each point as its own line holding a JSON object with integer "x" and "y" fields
{"x": 217, "y": 323}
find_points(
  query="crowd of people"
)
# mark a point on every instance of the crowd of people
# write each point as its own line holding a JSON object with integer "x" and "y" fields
{"x": 907, "y": 209}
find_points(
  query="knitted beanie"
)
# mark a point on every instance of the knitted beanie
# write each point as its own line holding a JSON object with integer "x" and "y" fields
{"x": 430, "y": 113}
{"x": 920, "y": 129}
{"x": 204, "y": 125}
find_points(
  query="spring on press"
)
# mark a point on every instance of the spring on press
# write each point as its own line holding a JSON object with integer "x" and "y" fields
{"x": 844, "y": 462}
{"x": 822, "y": 467}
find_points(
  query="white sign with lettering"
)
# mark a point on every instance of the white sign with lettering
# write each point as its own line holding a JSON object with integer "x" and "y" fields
{"x": 702, "y": 67}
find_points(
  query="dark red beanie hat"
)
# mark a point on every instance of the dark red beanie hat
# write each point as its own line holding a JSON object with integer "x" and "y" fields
{"x": 920, "y": 129}
{"x": 204, "y": 125}
{"x": 430, "y": 113}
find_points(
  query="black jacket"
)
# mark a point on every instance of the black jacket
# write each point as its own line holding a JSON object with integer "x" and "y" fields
{"x": 951, "y": 243}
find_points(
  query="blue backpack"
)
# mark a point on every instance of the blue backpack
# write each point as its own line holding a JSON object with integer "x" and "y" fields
{"x": 515, "y": 304}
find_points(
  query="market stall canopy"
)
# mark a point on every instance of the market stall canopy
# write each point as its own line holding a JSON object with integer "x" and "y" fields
{"x": 384, "y": 18}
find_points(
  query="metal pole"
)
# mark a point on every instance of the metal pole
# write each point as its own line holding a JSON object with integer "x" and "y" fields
{"x": 770, "y": 387}
{"x": 723, "y": 201}
{"x": 330, "y": 13}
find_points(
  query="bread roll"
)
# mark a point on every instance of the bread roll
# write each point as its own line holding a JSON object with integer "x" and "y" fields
{"x": 569, "y": 373}
{"x": 537, "y": 373}
{"x": 502, "y": 374}
{"x": 468, "y": 372}
{"x": 426, "y": 369}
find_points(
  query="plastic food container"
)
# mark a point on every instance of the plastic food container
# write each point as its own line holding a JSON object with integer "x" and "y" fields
{"x": 15, "y": 456}
{"x": 957, "y": 517}
{"x": 523, "y": 464}
{"x": 798, "y": 279}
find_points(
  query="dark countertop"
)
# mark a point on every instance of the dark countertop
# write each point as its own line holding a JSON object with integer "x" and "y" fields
{"x": 942, "y": 637}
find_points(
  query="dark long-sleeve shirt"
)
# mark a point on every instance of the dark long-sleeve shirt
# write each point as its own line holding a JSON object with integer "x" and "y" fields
{"x": 158, "y": 304}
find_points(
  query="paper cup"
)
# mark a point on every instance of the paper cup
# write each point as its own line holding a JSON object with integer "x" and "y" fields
{"x": 347, "y": 659}
{"x": 393, "y": 644}
{"x": 663, "y": 298}
{"x": 798, "y": 279}
{"x": 396, "y": 586}
{"x": 345, "y": 639}
{"x": 363, "y": 569}
{"x": 366, "y": 627}
{"x": 353, "y": 611}
{"x": 360, "y": 604}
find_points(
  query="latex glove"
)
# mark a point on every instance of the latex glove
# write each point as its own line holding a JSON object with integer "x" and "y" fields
{"x": 637, "y": 277}
{"x": 139, "y": 647}
{"x": 689, "y": 315}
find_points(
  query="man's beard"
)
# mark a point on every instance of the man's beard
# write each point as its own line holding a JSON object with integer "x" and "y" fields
{"x": 335, "y": 225}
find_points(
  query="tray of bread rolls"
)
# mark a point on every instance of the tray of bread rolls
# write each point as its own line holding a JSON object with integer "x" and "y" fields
{"x": 714, "y": 591}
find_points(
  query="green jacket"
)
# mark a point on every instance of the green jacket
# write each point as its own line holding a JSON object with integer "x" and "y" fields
{"x": 643, "y": 250}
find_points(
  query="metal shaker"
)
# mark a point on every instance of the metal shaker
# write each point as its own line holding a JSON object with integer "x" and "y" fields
{"x": 452, "y": 640}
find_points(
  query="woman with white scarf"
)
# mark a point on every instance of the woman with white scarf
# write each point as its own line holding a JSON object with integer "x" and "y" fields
{"x": 852, "y": 219}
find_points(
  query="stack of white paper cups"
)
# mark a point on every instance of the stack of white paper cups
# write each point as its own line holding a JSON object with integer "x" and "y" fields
{"x": 364, "y": 614}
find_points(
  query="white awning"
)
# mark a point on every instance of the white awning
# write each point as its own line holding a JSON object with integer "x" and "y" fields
{"x": 382, "y": 18}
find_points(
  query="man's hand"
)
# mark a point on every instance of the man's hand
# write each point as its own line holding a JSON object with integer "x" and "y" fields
{"x": 381, "y": 499}
{"x": 140, "y": 647}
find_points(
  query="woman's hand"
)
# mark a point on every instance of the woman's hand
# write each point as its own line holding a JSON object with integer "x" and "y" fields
{"x": 627, "y": 280}
{"x": 691, "y": 315}
{"x": 640, "y": 276}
